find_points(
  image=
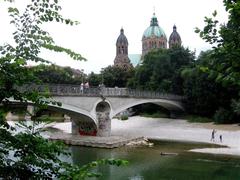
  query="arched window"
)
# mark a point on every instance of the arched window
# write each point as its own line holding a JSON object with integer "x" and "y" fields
{"x": 122, "y": 50}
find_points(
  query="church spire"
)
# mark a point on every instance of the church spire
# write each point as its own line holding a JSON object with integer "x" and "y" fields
{"x": 174, "y": 39}
{"x": 121, "y": 59}
{"x": 154, "y": 21}
{"x": 122, "y": 30}
{"x": 174, "y": 28}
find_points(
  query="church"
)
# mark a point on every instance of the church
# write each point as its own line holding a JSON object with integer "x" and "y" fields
{"x": 153, "y": 38}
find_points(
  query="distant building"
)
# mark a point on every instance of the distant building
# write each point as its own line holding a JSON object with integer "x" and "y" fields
{"x": 153, "y": 37}
{"x": 122, "y": 60}
{"x": 174, "y": 39}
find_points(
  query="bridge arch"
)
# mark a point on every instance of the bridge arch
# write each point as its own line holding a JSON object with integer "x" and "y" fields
{"x": 94, "y": 104}
{"x": 71, "y": 110}
{"x": 168, "y": 104}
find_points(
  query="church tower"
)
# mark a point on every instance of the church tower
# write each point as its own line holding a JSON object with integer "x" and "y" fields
{"x": 153, "y": 37}
{"x": 121, "y": 59}
{"x": 174, "y": 39}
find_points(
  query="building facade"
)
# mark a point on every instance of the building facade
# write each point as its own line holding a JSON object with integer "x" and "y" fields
{"x": 153, "y": 37}
{"x": 122, "y": 60}
{"x": 174, "y": 39}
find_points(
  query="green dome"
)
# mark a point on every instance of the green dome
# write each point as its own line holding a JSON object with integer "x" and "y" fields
{"x": 154, "y": 29}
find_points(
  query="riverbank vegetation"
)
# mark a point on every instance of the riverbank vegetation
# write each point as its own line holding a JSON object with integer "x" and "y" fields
{"x": 195, "y": 118}
{"x": 219, "y": 67}
{"x": 151, "y": 110}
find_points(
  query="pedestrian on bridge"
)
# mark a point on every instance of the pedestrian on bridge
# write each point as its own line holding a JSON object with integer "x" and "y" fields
{"x": 81, "y": 88}
{"x": 86, "y": 85}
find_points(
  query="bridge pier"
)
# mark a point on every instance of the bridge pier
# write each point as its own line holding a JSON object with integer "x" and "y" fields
{"x": 104, "y": 120}
{"x": 30, "y": 112}
{"x": 75, "y": 127}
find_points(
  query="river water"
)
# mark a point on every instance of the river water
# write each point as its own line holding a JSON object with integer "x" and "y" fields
{"x": 147, "y": 163}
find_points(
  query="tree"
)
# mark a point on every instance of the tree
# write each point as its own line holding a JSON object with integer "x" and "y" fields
{"x": 225, "y": 41}
{"x": 116, "y": 76}
{"x": 225, "y": 38}
{"x": 203, "y": 95}
{"x": 94, "y": 79}
{"x": 160, "y": 70}
{"x": 58, "y": 75}
{"x": 26, "y": 154}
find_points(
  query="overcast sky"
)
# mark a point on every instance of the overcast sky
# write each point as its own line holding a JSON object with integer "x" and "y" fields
{"x": 101, "y": 21}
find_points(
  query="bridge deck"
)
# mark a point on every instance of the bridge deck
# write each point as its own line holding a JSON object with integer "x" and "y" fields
{"x": 75, "y": 90}
{"x": 94, "y": 141}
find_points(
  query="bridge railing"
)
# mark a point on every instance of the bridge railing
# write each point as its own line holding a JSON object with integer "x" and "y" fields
{"x": 75, "y": 90}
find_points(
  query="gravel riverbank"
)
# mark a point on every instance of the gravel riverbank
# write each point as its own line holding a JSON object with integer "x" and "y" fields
{"x": 176, "y": 129}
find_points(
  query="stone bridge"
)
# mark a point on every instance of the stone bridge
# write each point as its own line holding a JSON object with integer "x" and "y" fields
{"x": 92, "y": 109}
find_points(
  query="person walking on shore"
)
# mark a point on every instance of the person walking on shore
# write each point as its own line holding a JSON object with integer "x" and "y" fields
{"x": 220, "y": 137}
{"x": 213, "y": 134}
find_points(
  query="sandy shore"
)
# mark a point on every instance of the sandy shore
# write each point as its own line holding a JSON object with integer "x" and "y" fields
{"x": 176, "y": 129}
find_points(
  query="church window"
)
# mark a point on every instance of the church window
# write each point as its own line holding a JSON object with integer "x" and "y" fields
{"x": 122, "y": 50}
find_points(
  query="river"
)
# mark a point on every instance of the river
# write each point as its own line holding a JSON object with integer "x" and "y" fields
{"x": 147, "y": 163}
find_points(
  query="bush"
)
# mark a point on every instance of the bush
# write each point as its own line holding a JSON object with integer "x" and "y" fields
{"x": 124, "y": 117}
{"x": 155, "y": 115}
{"x": 195, "y": 118}
{"x": 223, "y": 116}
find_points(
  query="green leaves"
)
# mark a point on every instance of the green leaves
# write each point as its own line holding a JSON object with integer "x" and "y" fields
{"x": 13, "y": 10}
{"x": 160, "y": 70}
{"x": 113, "y": 76}
{"x": 224, "y": 61}
{"x": 86, "y": 171}
{"x": 30, "y": 38}
{"x": 25, "y": 153}
{"x": 69, "y": 52}
{"x": 214, "y": 13}
{"x": 197, "y": 30}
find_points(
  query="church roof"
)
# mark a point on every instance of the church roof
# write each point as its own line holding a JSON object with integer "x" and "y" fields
{"x": 175, "y": 36}
{"x": 135, "y": 59}
{"x": 122, "y": 39}
{"x": 154, "y": 29}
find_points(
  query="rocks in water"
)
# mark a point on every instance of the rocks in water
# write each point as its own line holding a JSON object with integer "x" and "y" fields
{"x": 168, "y": 154}
{"x": 144, "y": 142}
{"x": 150, "y": 144}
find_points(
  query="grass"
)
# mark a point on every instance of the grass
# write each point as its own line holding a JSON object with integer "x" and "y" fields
{"x": 124, "y": 117}
{"x": 194, "y": 118}
{"x": 155, "y": 115}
